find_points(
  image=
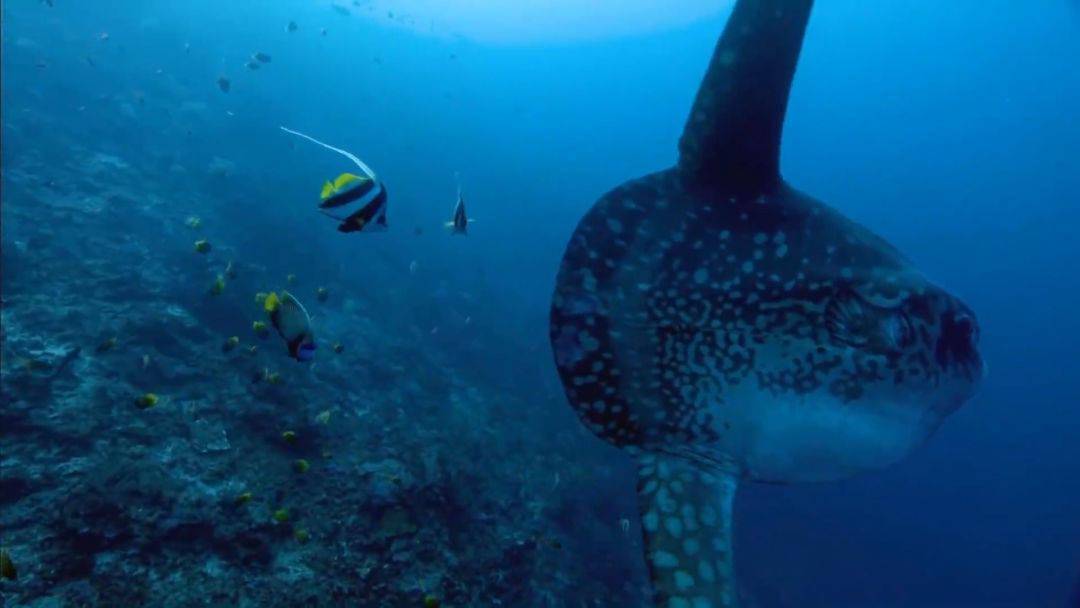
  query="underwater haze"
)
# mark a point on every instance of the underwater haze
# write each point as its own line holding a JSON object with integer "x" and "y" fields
{"x": 165, "y": 442}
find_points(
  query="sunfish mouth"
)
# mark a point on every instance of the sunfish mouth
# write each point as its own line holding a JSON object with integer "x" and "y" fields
{"x": 957, "y": 346}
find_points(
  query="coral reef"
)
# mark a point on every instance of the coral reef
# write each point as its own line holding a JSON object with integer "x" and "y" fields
{"x": 151, "y": 455}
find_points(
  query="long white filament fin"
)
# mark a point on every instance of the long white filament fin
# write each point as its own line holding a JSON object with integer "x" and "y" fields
{"x": 359, "y": 163}
{"x": 457, "y": 179}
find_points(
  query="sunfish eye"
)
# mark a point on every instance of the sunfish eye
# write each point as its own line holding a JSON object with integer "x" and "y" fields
{"x": 846, "y": 319}
{"x": 853, "y": 321}
{"x": 897, "y": 332}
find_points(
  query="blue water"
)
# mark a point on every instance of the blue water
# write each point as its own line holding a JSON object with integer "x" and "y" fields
{"x": 952, "y": 131}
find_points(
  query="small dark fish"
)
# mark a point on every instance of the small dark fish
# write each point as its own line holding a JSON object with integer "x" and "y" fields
{"x": 341, "y": 10}
{"x": 261, "y": 57}
{"x": 224, "y": 84}
{"x": 252, "y": 65}
{"x": 40, "y": 64}
{"x": 323, "y": 31}
{"x": 48, "y": 3}
{"x": 459, "y": 222}
{"x": 7, "y": 567}
{"x": 292, "y": 27}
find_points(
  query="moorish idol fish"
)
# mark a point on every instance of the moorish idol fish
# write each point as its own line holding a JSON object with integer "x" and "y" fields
{"x": 365, "y": 190}
{"x": 292, "y": 323}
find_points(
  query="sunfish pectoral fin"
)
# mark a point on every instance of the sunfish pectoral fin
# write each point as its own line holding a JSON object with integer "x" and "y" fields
{"x": 686, "y": 526}
{"x": 732, "y": 136}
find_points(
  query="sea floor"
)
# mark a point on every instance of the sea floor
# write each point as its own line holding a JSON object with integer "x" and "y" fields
{"x": 385, "y": 475}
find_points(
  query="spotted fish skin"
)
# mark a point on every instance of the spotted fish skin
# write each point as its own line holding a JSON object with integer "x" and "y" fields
{"x": 721, "y": 326}
{"x": 682, "y": 314}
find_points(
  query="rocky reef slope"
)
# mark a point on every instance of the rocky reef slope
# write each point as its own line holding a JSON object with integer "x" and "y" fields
{"x": 390, "y": 474}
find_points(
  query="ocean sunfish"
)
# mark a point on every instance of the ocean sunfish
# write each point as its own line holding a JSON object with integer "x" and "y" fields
{"x": 721, "y": 326}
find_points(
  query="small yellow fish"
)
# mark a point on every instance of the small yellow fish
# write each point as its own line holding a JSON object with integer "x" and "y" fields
{"x": 107, "y": 345}
{"x": 218, "y": 286}
{"x": 202, "y": 246}
{"x": 244, "y": 498}
{"x": 230, "y": 343}
{"x": 323, "y": 417}
{"x": 289, "y": 437}
{"x": 193, "y": 222}
{"x": 30, "y": 364}
{"x": 281, "y": 516}
{"x": 301, "y": 465}
{"x": 301, "y": 535}
{"x": 260, "y": 329}
{"x": 146, "y": 401}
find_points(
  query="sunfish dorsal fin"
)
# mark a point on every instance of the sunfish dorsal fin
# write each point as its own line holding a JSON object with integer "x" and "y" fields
{"x": 686, "y": 524}
{"x": 732, "y": 136}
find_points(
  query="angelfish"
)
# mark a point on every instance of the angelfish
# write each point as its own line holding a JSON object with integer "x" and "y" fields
{"x": 292, "y": 323}
{"x": 365, "y": 190}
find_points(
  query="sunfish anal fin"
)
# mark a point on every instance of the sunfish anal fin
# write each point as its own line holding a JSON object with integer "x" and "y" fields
{"x": 686, "y": 525}
{"x": 732, "y": 136}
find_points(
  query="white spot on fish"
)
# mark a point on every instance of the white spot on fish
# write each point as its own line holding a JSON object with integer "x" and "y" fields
{"x": 706, "y": 572}
{"x": 587, "y": 342}
{"x": 663, "y": 559}
{"x": 683, "y": 580}
{"x": 650, "y": 521}
{"x": 674, "y": 526}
